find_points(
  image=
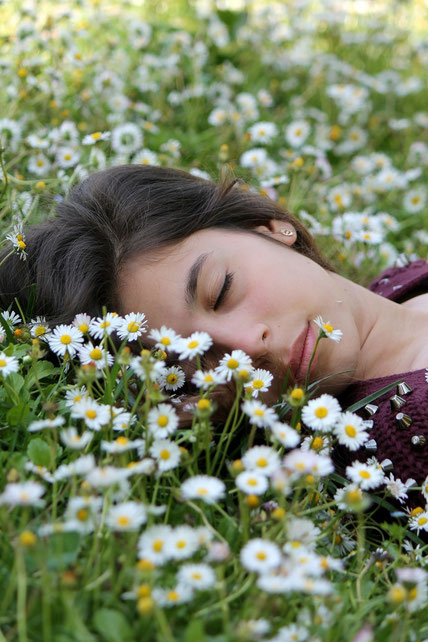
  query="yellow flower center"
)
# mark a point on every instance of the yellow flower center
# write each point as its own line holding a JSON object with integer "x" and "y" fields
{"x": 82, "y": 515}
{"x": 91, "y": 414}
{"x": 328, "y": 327}
{"x": 354, "y": 495}
{"x": 297, "y": 394}
{"x": 3, "y": 363}
{"x": 165, "y": 341}
{"x": 162, "y": 421}
{"x": 104, "y": 324}
{"x": 203, "y": 404}
{"x": 181, "y": 543}
{"x": 21, "y": 245}
{"x": 65, "y": 339}
{"x": 261, "y": 555}
{"x": 133, "y": 327}
{"x": 202, "y": 491}
{"x": 350, "y": 431}
{"x": 232, "y": 364}
{"x": 40, "y": 330}
{"x": 96, "y": 135}
{"x": 157, "y": 545}
{"x": 365, "y": 474}
{"x": 208, "y": 378}
{"x": 193, "y": 344}
{"x": 422, "y": 521}
{"x": 259, "y": 412}
{"x": 262, "y": 462}
{"x": 172, "y": 378}
{"x": 252, "y": 481}
{"x": 317, "y": 443}
{"x": 123, "y": 520}
{"x": 83, "y": 327}
{"x": 96, "y": 354}
{"x": 321, "y": 412}
{"x": 257, "y": 384}
{"x": 196, "y": 575}
{"x": 172, "y": 596}
{"x": 165, "y": 454}
{"x": 121, "y": 441}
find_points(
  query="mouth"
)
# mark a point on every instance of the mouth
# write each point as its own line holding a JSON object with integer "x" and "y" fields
{"x": 301, "y": 352}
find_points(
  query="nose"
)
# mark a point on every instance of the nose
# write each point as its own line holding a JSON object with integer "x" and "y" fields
{"x": 252, "y": 338}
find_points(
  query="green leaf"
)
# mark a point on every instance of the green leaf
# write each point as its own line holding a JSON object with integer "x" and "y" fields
{"x": 63, "y": 550}
{"x": 17, "y": 414}
{"x": 112, "y": 625}
{"x": 373, "y": 396}
{"x": 39, "y": 452}
{"x": 43, "y": 369}
{"x": 16, "y": 382}
{"x": 194, "y": 632}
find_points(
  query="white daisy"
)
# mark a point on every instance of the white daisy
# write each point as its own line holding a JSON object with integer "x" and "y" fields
{"x": 39, "y": 328}
{"x": 208, "y": 489}
{"x": 415, "y": 199}
{"x": 299, "y": 462}
{"x": 40, "y": 424}
{"x": 252, "y": 482}
{"x": 165, "y": 338}
{"x": 94, "y": 415}
{"x": 198, "y": 576}
{"x": 121, "y": 419}
{"x": 95, "y": 137}
{"x": 126, "y": 138}
{"x": 82, "y": 322}
{"x": 65, "y": 339}
{"x": 261, "y": 458}
{"x": 232, "y": 363}
{"x": 183, "y": 542}
{"x": 286, "y": 435}
{"x": 120, "y": 445}
{"x": 101, "y": 326}
{"x": 42, "y": 471}
{"x": 328, "y": 330}
{"x": 260, "y": 381}
{"x": 8, "y": 364}
{"x": 11, "y": 317}
{"x": 101, "y": 477}
{"x": 162, "y": 421}
{"x": 180, "y": 594}
{"x": 367, "y": 476}
{"x": 205, "y": 379}
{"x": 74, "y": 396}
{"x": 419, "y": 522}
{"x": 321, "y": 413}
{"x": 23, "y": 494}
{"x": 297, "y": 132}
{"x": 172, "y": 378}
{"x": 350, "y": 430}
{"x": 166, "y": 454}
{"x": 132, "y": 326}
{"x": 197, "y": 343}
{"x": 260, "y": 415}
{"x": 260, "y": 556}
{"x": 97, "y": 355}
{"x": 397, "y": 488}
{"x": 263, "y": 132}
{"x": 71, "y": 438}
{"x": 125, "y": 517}
{"x": 153, "y": 544}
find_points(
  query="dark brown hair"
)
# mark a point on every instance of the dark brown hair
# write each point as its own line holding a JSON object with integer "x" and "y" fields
{"x": 75, "y": 259}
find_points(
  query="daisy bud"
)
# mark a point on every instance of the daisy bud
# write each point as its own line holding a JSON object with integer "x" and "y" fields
{"x": 397, "y": 594}
{"x": 296, "y": 397}
{"x": 145, "y": 605}
{"x": 252, "y": 501}
{"x": 12, "y": 476}
{"x": 237, "y": 466}
{"x": 27, "y": 539}
{"x": 145, "y": 565}
{"x": 278, "y": 513}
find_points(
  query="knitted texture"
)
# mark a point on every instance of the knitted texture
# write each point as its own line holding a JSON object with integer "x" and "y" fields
{"x": 393, "y": 442}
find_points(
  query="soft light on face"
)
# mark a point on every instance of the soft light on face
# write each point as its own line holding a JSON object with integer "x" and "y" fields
{"x": 246, "y": 292}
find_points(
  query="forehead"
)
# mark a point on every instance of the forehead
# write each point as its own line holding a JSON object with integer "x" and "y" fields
{"x": 160, "y": 275}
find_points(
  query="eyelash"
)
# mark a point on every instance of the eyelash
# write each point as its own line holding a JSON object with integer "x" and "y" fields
{"x": 227, "y": 283}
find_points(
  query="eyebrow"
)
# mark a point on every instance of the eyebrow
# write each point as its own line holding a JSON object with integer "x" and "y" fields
{"x": 192, "y": 279}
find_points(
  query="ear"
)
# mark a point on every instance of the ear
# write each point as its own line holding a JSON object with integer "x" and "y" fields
{"x": 282, "y": 231}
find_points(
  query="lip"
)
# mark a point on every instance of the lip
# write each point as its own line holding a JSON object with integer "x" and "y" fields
{"x": 301, "y": 352}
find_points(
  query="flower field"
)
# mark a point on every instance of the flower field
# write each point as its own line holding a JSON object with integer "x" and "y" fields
{"x": 118, "y": 521}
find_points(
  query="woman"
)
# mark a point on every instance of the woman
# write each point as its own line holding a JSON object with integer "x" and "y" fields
{"x": 194, "y": 255}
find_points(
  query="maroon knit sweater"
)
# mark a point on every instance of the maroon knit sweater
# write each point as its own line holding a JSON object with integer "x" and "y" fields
{"x": 409, "y": 459}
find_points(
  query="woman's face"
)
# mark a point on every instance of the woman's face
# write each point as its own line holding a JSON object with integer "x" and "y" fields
{"x": 250, "y": 293}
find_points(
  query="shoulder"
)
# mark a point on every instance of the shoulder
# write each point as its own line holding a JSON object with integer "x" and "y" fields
{"x": 398, "y": 425}
{"x": 400, "y": 282}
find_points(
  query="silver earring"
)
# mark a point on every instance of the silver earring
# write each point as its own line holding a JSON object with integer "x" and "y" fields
{"x": 287, "y": 232}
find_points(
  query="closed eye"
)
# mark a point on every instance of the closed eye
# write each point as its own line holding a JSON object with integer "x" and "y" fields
{"x": 224, "y": 290}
